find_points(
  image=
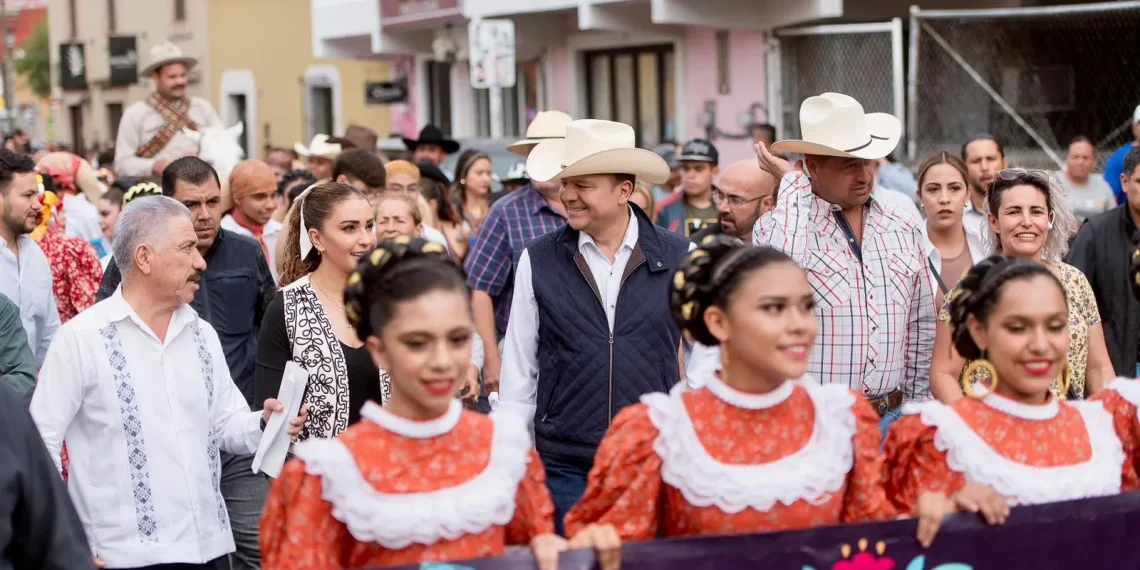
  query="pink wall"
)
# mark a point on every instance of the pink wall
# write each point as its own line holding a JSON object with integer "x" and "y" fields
{"x": 747, "y": 80}
{"x": 404, "y": 116}
{"x": 562, "y": 91}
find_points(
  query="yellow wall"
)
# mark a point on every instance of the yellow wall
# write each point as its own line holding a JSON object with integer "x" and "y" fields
{"x": 273, "y": 39}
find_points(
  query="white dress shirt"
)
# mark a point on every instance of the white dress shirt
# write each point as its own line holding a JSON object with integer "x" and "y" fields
{"x": 269, "y": 235}
{"x": 518, "y": 382}
{"x": 27, "y": 282}
{"x": 144, "y": 421}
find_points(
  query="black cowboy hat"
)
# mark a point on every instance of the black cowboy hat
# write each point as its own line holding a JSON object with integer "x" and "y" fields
{"x": 432, "y": 135}
{"x": 432, "y": 172}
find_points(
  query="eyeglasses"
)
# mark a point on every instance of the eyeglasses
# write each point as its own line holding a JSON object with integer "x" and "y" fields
{"x": 733, "y": 201}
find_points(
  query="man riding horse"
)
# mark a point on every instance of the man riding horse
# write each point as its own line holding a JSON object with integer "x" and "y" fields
{"x": 151, "y": 131}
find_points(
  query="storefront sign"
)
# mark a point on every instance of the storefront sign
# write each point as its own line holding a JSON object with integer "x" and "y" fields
{"x": 72, "y": 66}
{"x": 401, "y": 12}
{"x": 1094, "y": 534}
{"x": 124, "y": 60}
{"x": 491, "y": 47}
{"x": 386, "y": 92}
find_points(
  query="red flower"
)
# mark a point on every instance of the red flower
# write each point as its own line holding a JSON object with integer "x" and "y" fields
{"x": 864, "y": 561}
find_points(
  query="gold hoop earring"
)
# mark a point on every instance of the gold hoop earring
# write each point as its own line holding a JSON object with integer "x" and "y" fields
{"x": 1065, "y": 382}
{"x": 971, "y": 372}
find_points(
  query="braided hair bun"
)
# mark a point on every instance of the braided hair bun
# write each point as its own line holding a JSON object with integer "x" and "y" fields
{"x": 142, "y": 189}
{"x": 398, "y": 270}
{"x": 977, "y": 294}
{"x": 709, "y": 276}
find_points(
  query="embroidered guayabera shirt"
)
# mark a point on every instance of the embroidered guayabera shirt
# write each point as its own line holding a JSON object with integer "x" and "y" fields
{"x": 144, "y": 421}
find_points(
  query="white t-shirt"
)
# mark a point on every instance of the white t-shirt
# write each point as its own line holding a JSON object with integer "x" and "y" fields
{"x": 1089, "y": 199}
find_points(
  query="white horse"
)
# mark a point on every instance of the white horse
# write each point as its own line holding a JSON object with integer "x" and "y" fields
{"x": 219, "y": 146}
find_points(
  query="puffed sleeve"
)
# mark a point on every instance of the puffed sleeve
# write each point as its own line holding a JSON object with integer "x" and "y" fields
{"x": 534, "y": 509}
{"x": 297, "y": 526}
{"x": 866, "y": 498}
{"x": 624, "y": 486}
{"x": 913, "y": 464}
{"x": 1125, "y": 420}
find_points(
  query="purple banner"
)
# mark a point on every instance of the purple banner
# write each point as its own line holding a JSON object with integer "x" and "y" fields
{"x": 1095, "y": 534}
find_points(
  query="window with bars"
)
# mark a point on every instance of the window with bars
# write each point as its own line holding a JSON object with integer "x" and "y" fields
{"x": 633, "y": 86}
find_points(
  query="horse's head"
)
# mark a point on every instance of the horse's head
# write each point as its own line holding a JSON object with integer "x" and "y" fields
{"x": 219, "y": 146}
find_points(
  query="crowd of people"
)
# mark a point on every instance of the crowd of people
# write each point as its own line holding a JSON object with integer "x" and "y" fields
{"x": 612, "y": 344}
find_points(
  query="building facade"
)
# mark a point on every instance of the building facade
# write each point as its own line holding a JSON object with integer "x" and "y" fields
{"x": 254, "y": 65}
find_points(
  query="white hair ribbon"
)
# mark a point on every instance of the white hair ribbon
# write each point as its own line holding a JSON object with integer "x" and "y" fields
{"x": 305, "y": 243}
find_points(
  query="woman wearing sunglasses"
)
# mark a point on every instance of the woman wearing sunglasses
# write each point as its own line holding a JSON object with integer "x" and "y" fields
{"x": 1030, "y": 219}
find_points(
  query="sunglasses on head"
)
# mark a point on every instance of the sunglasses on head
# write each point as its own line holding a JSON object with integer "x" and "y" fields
{"x": 1016, "y": 174}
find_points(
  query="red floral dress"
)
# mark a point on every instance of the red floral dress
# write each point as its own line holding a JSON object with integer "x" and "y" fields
{"x": 1030, "y": 454}
{"x": 719, "y": 461}
{"x": 390, "y": 492}
{"x": 1122, "y": 398}
{"x": 75, "y": 272}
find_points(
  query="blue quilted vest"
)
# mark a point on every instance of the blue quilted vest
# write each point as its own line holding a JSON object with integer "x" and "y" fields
{"x": 586, "y": 376}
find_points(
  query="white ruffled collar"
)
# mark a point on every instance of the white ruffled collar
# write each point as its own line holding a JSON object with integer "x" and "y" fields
{"x": 814, "y": 473}
{"x": 967, "y": 453}
{"x": 413, "y": 429}
{"x": 398, "y": 520}
{"x": 749, "y": 400}
{"x": 1046, "y": 411}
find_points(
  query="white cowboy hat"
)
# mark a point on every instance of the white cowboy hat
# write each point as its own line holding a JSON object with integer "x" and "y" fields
{"x": 320, "y": 147}
{"x": 834, "y": 124}
{"x": 546, "y": 126}
{"x": 165, "y": 53}
{"x": 595, "y": 147}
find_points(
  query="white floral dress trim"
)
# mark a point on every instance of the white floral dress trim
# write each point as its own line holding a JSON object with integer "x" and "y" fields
{"x": 967, "y": 453}
{"x": 812, "y": 474}
{"x": 397, "y": 520}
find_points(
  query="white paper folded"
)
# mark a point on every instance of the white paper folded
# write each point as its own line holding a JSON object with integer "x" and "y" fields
{"x": 275, "y": 440}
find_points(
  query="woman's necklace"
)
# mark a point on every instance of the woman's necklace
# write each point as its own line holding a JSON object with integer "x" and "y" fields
{"x": 329, "y": 298}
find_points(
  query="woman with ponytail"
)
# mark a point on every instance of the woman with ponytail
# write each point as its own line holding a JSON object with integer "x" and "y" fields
{"x": 329, "y": 229}
{"x": 419, "y": 479}
{"x": 1011, "y": 442}
{"x": 761, "y": 448}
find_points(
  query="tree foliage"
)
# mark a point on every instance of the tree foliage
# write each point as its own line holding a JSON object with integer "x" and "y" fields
{"x": 33, "y": 61}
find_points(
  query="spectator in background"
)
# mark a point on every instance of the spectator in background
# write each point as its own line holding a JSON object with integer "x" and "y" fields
{"x": 1114, "y": 168}
{"x": 18, "y": 141}
{"x": 1102, "y": 251}
{"x": 362, "y": 137}
{"x": 27, "y": 276}
{"x": 292, "y": 183}
{"x": 472, "y": 195}
{"x": 516, "y": 178}
{"x": 110, "y": 205}
{"x": 320, "y": 156}
{"x": 362, "y": 169}
{"x": 744, "y": 194}
{"x": 17, "y": 361}
{"x": 894, "y": 176}
{"x": 952, "y": 247}
{"x": 75, "y": 266}
{"x": 643, "y": 197}
{"x": 431, "y": 146}
{"x": 984, "y": 156}
{"x": 1088, "y": 195}
{"x": 398, "y": 215}
{"x": 763, "y": 133}
{"x": 73, "y": 177}
{"x": 403, "y": 179}
{"x": 668, "y": 153}
{"x": 254, "y": 190}
{"x": 280, "y": 161}
{"x": 692, "y": 209}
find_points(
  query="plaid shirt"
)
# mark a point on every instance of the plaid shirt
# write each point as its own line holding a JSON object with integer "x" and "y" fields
{"x": 513, "y": 221}
{"x": 876, "y": 316}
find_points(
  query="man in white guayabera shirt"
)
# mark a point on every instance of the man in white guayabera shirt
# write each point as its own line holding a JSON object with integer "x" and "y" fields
{"x": 138, "y": 388}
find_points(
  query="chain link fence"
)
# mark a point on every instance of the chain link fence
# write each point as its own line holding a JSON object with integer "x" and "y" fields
{"x": 860, "y": 60}
{"x": 1033, "y": 77}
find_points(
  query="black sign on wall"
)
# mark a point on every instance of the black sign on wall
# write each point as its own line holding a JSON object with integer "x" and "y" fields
{"x": 124, "y": 60}
{"x": 386, "y": 92}
{"x": 72, "y": 66}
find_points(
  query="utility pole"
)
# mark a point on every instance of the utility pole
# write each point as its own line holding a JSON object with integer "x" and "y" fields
{"x": 5, "y": 69}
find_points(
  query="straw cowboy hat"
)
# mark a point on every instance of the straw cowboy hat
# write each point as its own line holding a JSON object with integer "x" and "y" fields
{"x": 595, "y": 147}
{"x": 431, "y": 134}
{"x": 834, "y": 124}
{"x": 320, "y": 147}
{"x": 165, "y": 53}
{"x": 517, "y": 173}
{"x": 547, "y": 125}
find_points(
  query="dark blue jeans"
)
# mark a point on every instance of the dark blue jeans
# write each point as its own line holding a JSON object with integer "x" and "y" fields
{"x": 566, "y": 479}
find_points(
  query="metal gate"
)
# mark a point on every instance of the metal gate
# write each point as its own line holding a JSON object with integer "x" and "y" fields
{"x": 864, "y": 61}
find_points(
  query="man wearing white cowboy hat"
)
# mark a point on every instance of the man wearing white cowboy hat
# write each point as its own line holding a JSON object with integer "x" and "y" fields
{"x": 875, "y": 304}
{"x": 150, "y": 133}
{"x": 320, "y": 156}
{"x": 591, "y": 328}
{"x": 517, "y": 218}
